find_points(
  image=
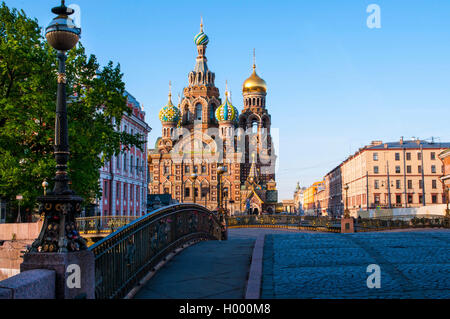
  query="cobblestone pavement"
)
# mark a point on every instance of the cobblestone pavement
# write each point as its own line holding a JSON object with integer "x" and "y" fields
{"x": 212, "y": 269}
{"x": 414, "y": 264}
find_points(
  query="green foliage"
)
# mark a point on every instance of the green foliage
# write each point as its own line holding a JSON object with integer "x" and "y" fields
{"x": 28, "y": 84}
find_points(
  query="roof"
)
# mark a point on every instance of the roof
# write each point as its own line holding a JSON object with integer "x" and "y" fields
{"x": 412, "y": 144}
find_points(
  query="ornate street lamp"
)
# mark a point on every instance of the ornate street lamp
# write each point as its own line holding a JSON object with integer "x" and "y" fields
{"x": 61, "y": 206}
{"x": 220, "y": 170}
{"x": 194, "y": 177}
{"x": 346, "y": 211}
{"x": 447, "y": 211}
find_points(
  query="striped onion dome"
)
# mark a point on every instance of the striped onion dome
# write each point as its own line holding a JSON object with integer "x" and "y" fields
{"x": 201, "y": 38}
{"x": 169, "y": 112}
{"x": 226, "y": 112}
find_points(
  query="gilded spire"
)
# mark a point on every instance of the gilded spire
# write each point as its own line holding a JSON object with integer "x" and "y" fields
{"x": 201, "y": 24}
{"x": 254, "y": 60}
{"x": 170, "y": 92}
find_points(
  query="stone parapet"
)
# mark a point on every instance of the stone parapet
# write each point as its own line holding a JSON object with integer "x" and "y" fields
{"x": 33, "y": 284}
{"x": 75, "y": 272}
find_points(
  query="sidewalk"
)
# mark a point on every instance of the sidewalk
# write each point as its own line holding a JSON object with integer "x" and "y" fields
{"x": 211, "y": 269}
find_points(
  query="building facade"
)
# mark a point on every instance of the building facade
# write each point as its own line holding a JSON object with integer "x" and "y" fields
{"x": 310, "y": 203}
{"x": 333, "y": 187}
{"x": 445, "y": 158}
{"x": 203, "y": 132}
{"x": 124, "y": 178}
{"x": 396, "y": 174}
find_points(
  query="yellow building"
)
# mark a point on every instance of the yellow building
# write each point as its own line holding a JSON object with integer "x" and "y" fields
{"x": 309, "y": 195}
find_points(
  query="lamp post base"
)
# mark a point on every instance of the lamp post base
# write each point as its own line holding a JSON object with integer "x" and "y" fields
{"x": 347, "y": 225}
{"x": 59, "y": 232}
{"x": 75, "y": 272}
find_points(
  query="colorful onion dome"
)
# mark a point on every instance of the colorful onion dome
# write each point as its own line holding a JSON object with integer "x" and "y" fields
{"x": 201, "y": 38}
{"x": 169, "y": 113}
{"x": 226, "y": 112}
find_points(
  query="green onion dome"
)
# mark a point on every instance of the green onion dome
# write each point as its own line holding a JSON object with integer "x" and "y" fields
{"x": 226, "y": 112}
{"x": 169, "y": 113}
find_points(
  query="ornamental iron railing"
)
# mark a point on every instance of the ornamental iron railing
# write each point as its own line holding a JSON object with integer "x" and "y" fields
{"x": 285, "y": 221}
{"x": 103, "y": 224}
{"x": 127, "y": 255}
{"x": 401, "y": 221}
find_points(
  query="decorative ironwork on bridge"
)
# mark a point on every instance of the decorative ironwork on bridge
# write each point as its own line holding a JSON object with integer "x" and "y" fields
{"x": 127, "y": 255}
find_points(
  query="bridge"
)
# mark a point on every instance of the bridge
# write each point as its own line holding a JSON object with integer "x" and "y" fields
{"x": 187, "y": 251}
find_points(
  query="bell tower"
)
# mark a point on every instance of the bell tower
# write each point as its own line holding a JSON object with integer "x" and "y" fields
{"x": 201, "y": 97}
{"x": 255, "y": 120}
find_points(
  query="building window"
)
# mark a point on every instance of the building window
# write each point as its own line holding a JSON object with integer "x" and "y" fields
{"x": 434, "y": 199}
{"x": 125, "y": 162}
{"x": 376, "y": 184}
{"x": 166, "y": 170}
{"x": 433, "y": 184}
{"x": 408, "y": 156}
{"x": 410, "y": 199}
{"x": 375, "y": 156}
{"x": 198, "y": 112}
{"x": 124, "y": 191}
{"x": 203, "y": 169}
{"x": 195, "y": 169}
{"x": 131, "y": 164}
{"x": 419, "y": 156}
{"x": 377, "y": 199}
{"x": 433, "y": 155}
{"x": 131, "y": 192}
{"x": 105, "y": 189}
{"x": 420, "y": 184}
{"x": 420, "y": 198}
{"x": 397, "y": 156}
{"x": 410, "y": 184}
{"x": 398, "y": 199}
{"x": 408, "y": 169}
{"x": 419, "y": 169}
{"x": 433, "y": 169}
{"x": 187, "y": 192}
{"x": 375, "y": 169}
{"x": 166, "y": 190}
{"x": 186, "y": 169}
{"x": 397, "y": 169}
{"x": 398, "y": 184}
{"x": 118, "y": 161}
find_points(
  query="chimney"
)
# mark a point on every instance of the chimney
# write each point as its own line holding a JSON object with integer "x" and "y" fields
{"x": 374, "y": 143}
{"x": 401, "y": 140}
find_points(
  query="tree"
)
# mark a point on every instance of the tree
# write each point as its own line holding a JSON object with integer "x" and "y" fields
{"x": 28, "y": 83}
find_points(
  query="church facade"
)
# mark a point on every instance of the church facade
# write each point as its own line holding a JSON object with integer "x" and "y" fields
{"x": 204, "y": 132}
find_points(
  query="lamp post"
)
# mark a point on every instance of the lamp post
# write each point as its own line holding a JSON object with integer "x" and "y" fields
{"x": 447, "y": 211}
{"x": 194, "y": 177}
{"x": 220, "y": 170}
{"x": 346, "y": 211}
{"x": 61, "y": 205}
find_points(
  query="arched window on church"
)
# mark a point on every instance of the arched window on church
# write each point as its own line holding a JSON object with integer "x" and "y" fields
{"x": 254, "y": 126}
{"x": 211, "y": 112}
{"x": 198, "y": 112}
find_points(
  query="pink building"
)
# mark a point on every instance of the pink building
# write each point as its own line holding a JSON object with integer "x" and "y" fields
{"x": 124, "y": 179}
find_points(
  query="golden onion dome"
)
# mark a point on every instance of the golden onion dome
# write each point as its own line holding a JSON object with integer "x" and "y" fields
{"x": 254, "y": 83}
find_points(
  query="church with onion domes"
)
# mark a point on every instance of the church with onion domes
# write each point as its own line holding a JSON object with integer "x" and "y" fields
{"x": 205, "y": 131}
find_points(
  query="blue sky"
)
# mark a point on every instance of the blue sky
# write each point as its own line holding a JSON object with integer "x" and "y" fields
{"x": 334, "y": 85}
